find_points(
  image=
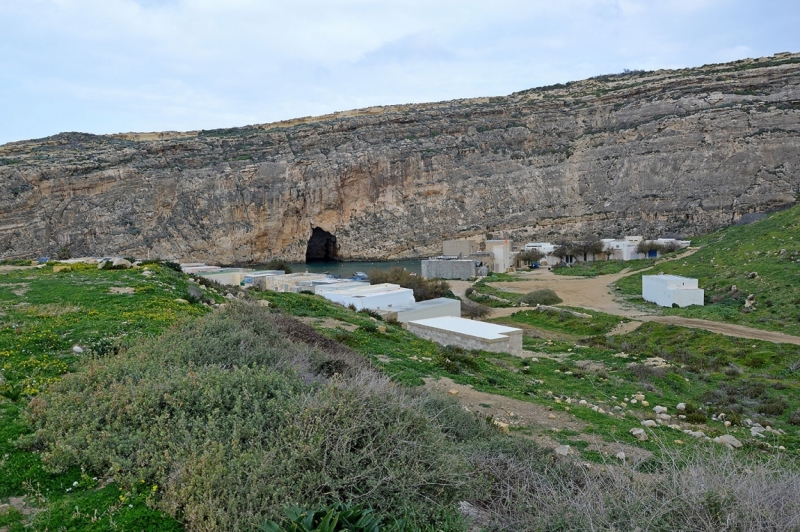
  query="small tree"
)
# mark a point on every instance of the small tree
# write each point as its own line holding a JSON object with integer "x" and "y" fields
{"x": 279, "y": 264}
{"x": 530, "y": 255}
{"x": 474, "y": 310}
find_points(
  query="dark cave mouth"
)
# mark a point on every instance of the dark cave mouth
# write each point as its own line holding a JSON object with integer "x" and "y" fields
{"x": 321, "y": 246}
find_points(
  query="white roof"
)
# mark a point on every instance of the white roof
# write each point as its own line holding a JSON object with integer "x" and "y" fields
{"x": 428, "y": 303}
{"x": 481, "y": 329}
{"x": 676, "y": 278}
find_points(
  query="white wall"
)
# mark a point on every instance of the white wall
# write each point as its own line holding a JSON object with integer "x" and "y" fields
{"x": 664, "y": 290}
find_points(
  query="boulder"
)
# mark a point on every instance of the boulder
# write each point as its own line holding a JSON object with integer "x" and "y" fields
{"x": 649, "y": 423}
{"x": 621, "y": 456}
{"x": 660, "y": 409}
{"x": 681, "y": 407}
{"x": 502, "y": 426}
{"x": 729, "y": 441}
{"x": 562, "y": 450}
{"x": 639, "y": 434}
{"x": 77, "y": 349}
{"x": 121, "y": 263}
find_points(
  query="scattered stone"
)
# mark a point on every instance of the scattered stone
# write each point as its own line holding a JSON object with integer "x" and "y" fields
{"x": 621, "y": 456}
{"x": 582, "y": 402}
{"x": 452, "y": 392}
{"x": 263, "y": 302}
{"x": 729, "y": 441}
{"x": 727, "y": 423}
{"x": 639, "y": 396}
{"x": 77, "y": 349}
{"x": 381, "y": 329}
{"x": 121, "y": 263}
{"x": 551, "y": 416}
{"x": 660, "y": 409}
{"x": 681, "y": 407}
{"x": 752, "y": 275}
{"x": 695, "y": 433}
{"x": 677, "y": 442}
{"x": 562, "y": 450}
{"x": 649, "y": 423}
{"x": 634, "y": 401}
{"x": 681, "y": 417}
{"x": 121, "y": 290}
{"x": 639, "y": 434}
{"x": 750, "y": 301}
{"x": 645, "y": 404}
{"x": 148, "y": 273}
{"x": 179, "y": 300}
{"x": 62, "y": 268}
{"x": 664, "y": 417}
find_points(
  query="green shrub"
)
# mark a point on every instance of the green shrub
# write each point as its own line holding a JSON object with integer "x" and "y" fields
{"x": 794, "y": 418}
{"x": 278, "y": 264}
{"x": 424, "y": 289}
{"x": 339, "y": 517}
{"x": 543, "y": 296}
{"x": 232, "y": 422}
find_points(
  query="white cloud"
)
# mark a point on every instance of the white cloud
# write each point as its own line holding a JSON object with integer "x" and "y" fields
{"x": 118, "y": 65}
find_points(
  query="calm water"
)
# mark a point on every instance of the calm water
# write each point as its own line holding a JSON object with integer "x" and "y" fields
{"x": 346, "y": 269}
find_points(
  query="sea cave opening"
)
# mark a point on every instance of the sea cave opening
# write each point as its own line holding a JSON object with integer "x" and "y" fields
{"x": 321, "y": 246}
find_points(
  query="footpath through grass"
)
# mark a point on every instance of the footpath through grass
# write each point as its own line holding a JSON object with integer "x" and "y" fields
{"x": 762, "y": 259}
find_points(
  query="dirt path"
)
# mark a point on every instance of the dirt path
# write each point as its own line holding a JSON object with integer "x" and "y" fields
{"x": 595, "y": 293}
{"x": 542, "y": 421}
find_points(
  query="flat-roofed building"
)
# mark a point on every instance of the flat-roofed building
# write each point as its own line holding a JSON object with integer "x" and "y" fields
{"x": 432, "y": 308}
{"x": 668, "y": 290}
{"x": 469, "y": 334}
{"x": 373, "y": 297}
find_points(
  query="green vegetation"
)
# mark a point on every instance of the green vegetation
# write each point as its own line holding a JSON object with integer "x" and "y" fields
{"x": 543, "y": 296}
{"x": 225, "y": 420}
{"x": 603, "y": 267}
{"x": 482, "y": 293}
{"x": 424, "y": 289}
{"x": 762, "y": 259}
{"x": 43, "y": 314}
{"x": 564, "y": 322}
{"x": 278, "y": 264}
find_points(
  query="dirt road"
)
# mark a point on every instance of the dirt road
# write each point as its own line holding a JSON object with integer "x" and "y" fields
{"x": 595, "y": 293}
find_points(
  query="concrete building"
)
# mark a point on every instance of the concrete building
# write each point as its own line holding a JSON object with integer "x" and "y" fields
{"x": 501, "y": 249}
{"x": 449, "y": 268}
{"x": 197, "y": 267}
{"x": 432, "y": 308}
{"x": 459, "y": 248}
{"x": 321, "y": 286}
{"x": 469, "y": 334}
{"x": 258, "y": 280}
{"x": 290, "y": 282}
{"x": 226, "y": 276}
{"x": 666, "y": 290}
{"x": 373, "y": 297}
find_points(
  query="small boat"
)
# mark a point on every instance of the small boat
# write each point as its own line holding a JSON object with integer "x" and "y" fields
{"x": 360, "y": 276}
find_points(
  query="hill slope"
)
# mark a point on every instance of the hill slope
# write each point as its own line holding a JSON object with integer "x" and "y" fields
{"x": 683, "y": 151}
{"x": 762, "y": 259}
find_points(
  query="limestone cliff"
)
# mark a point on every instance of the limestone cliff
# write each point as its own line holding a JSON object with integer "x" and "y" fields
{"x": 682, "y": 151}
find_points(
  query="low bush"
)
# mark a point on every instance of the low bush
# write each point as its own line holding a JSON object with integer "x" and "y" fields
{"x": 424, "y": 289}
{"x": 472, "y": 310}
{"x": 278, "y": 264}
{"x": 543, "y": 296}
{"x": 232, "y": 422}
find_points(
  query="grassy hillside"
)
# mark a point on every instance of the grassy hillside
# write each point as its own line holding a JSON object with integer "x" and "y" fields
{"x": 176, "y": 417}
{"x": 762, "y": 259}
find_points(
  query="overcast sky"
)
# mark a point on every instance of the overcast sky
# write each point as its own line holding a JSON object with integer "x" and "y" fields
{"x": 108, "y": 66}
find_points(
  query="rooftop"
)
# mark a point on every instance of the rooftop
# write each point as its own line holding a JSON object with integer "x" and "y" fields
{"x": 480, "y": 329}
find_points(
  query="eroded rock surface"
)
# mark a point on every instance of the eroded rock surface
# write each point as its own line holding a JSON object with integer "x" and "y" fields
{"x": 681, "y": 151}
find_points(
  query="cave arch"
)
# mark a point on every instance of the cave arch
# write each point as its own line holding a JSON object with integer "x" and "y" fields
{"x": 321, "y": 246}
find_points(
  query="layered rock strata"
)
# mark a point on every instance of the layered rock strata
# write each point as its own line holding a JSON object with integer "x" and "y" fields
{"x": 679, "y": 151}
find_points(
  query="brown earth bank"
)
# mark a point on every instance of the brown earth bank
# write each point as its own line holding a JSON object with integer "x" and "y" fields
{"x": 678, "y": 151}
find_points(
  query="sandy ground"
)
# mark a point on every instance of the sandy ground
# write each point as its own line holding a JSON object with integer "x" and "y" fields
{"x": 595, "y": 293}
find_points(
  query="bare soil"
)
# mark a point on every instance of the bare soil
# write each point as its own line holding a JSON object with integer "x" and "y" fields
{"x": 541, "y": 421}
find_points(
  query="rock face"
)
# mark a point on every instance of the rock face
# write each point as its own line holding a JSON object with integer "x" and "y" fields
{"x": 682, "y": 151}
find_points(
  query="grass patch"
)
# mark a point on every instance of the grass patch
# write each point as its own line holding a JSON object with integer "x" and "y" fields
{"x": 564, "y": 322}
{"x": 769, "y": 248}
{"x": 603, "y": 267}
